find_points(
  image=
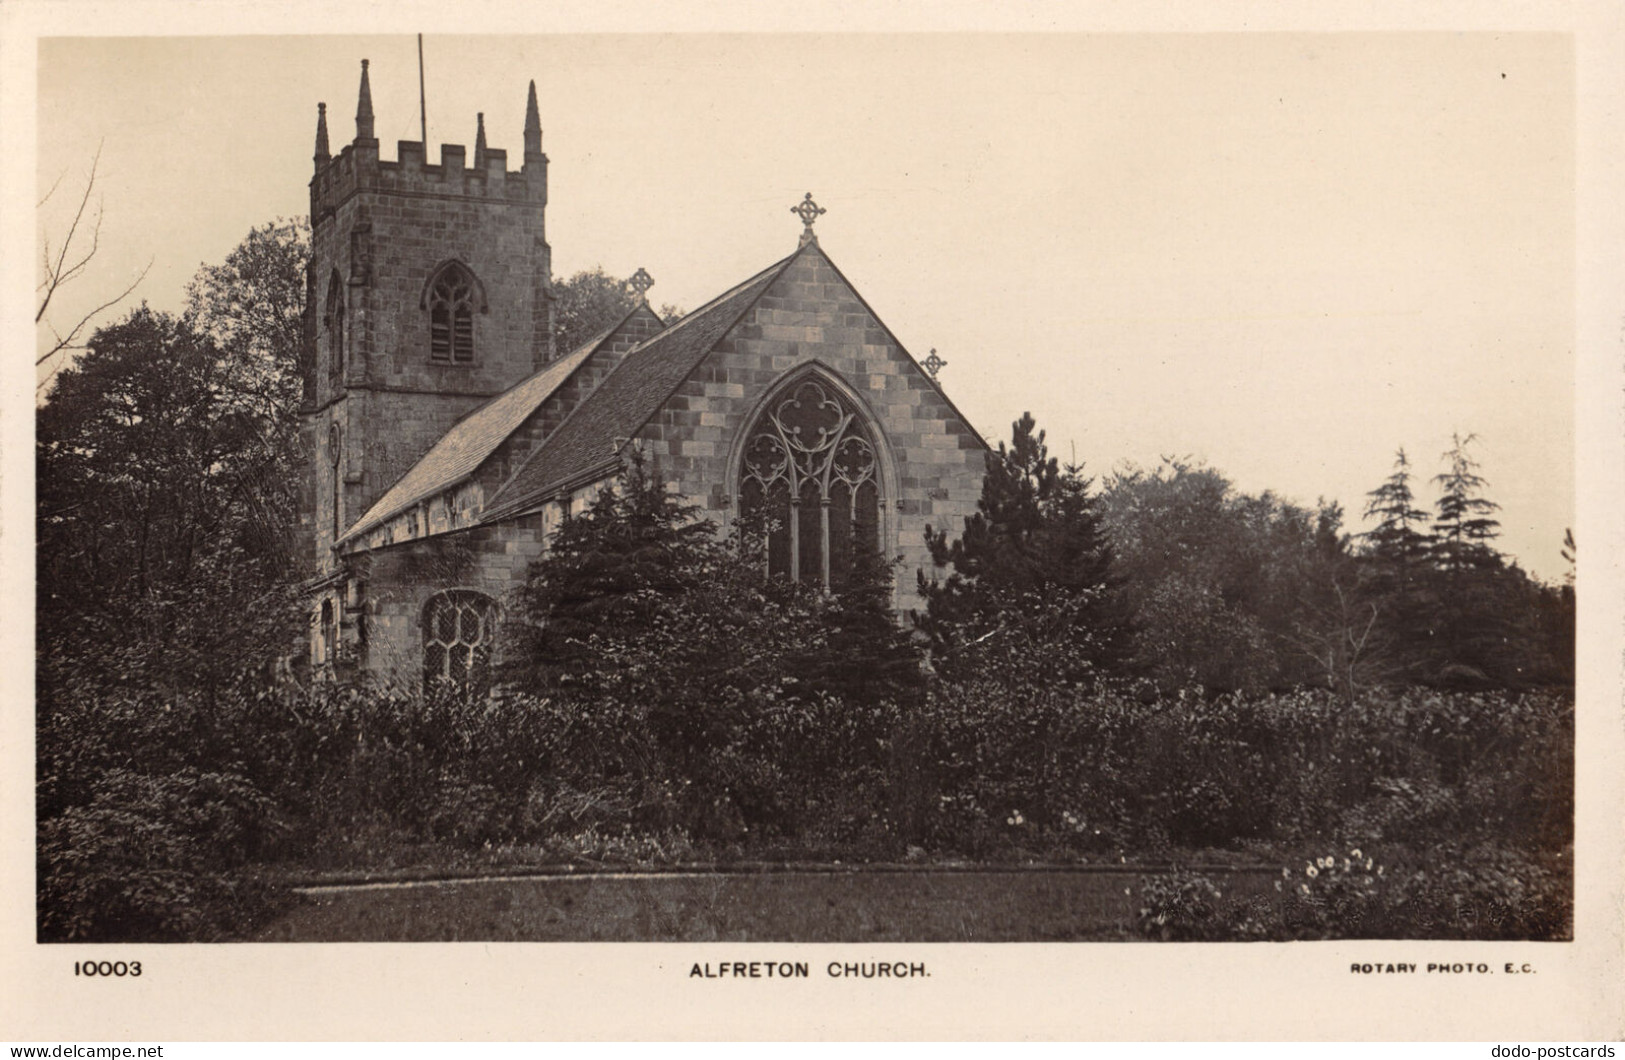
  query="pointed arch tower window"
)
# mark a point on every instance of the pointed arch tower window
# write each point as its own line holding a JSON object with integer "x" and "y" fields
{"x": 333, "y": 319}
{"x": 452, "y": 298}
{"x": 811, "y": 472}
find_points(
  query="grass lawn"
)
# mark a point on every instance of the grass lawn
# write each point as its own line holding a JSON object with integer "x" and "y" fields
{"x": 777, "y": 907}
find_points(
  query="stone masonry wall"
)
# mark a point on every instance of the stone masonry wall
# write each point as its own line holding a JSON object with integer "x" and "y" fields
{"x": 400, "y": 580}
{"x": 383, "y": 228}
{"x": 811, "y": 315}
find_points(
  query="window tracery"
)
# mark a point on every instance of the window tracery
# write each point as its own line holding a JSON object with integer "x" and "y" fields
{"x": 459, "y": 633}
{"x": 452, "y": 298}
{"x": 810, "y": 471}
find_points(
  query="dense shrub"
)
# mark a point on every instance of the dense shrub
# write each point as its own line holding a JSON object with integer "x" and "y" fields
{"x": 149, "y": 857}
{"x": 1456, "y": 891}
{"x": 1468, "y": 796}
{"x": 1180, "y": 907}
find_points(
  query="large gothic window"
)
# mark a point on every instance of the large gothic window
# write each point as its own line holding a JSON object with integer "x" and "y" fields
{"x": 810, "y": 470}
{"x": 453, "y": 296}
{"x": 333, "y": 319}
{"x": 459, "y": 630}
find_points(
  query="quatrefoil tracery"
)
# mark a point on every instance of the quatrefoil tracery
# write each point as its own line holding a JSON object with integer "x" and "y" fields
{"x": 809, "y": 440}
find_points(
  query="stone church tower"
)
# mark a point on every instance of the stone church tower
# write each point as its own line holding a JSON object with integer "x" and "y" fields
{"x": 429, "y": 288}
{"x": 447, "y": 439}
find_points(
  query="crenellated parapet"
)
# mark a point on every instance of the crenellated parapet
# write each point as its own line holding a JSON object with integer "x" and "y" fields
{"x": 429, "y": 293}
{"x": 480, "y": 174}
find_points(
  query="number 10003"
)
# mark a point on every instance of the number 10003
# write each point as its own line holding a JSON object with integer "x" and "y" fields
{"x": 114, "y": 969}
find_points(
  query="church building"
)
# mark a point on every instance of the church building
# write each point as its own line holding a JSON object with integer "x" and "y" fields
{"x": 448, "y": 439}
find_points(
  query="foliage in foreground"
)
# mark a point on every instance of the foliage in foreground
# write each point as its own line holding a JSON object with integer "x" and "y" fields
{"x": 1468, "y": 798}
{"x": 1460, "y": 891}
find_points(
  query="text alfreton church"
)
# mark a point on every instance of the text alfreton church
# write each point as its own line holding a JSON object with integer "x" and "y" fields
{"x": 447, "y": 437}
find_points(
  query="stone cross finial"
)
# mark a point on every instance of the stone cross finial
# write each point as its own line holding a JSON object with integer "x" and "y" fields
{"x": 808, "y": 211}
{"x": 933, "y": 363}
{"x": 640, "y": 282}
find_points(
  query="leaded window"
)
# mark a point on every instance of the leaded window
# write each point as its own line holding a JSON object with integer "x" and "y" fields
{"x": 810, "y": 474}
{"x": 459, "y": 631}
{"x": 452, "y": 299}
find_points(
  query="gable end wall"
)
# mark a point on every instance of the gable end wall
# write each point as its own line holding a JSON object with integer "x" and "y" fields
{"x": 810, "y": 315}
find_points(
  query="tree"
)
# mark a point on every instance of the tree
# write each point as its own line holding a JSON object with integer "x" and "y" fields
{"x": 166, "y": 473}
{"x": 674, "y": 651}
{"x": 586, "y": 304}
{"x": 1462, "y": 528}
{"x": 589, "y": 302}
{"x": 1340, "y": 622}
{"x": 1396, "y": 543}
{"x": 865, "y": 656}
{"x": 1480, "y": 600}
{"x": 252, "y": 305}
{"x": 608, "y": 580}
{"x": 66, "y": 264}
{"x": 1030, "y": 574}
{"x": 637, "y": 596}
{"x": 1397, "y": 570}
{"x": 1225, "y": 586}
{"x": 149, "y": 550}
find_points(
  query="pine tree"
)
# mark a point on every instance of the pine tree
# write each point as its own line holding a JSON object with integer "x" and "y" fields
{"x": 606, "y": 578}
{"x": 866, "y": 655}
{"x": 1476, "y": 613}
{"x": 1462, "y": 528}
{"x": 1396, "y": 544}
{"x": 1030, "y": 579}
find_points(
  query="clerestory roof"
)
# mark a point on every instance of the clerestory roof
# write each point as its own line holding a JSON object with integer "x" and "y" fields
{"x": 462, "y": 449}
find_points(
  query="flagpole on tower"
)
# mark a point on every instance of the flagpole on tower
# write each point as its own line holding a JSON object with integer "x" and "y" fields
{"x": 423, "y": 104}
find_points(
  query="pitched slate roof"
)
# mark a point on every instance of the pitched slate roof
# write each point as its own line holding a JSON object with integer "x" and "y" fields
{"x": 461, "y": 450}
{"x": 627, "y": 398}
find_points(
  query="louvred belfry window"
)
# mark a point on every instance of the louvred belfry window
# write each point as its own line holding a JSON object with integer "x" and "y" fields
{"x": 451, "y": 316}
{"x": 459, "y": 630}
{"x": 810, "y": 473}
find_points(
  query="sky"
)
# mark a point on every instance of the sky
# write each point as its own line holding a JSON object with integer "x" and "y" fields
{"x": 1284, "y": 255}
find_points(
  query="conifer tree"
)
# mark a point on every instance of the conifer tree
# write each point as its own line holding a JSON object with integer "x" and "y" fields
{"x": 1396, "y": 574}
{"x": 1030, "y": 574}
{"x": 1463, "y": 528}
{"x": 1476, "y": 607}
{"x": 1396, "y": 543}
{"x": 607, "y": 575}
{"x": 866, "y": 655}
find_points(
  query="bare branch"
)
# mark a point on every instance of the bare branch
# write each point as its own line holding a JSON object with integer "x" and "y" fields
{"x": 70, "y": 340}
{"x": 67, "y": 263}
{"x": 54, "y": 274}
{"x": 54, "y": 185}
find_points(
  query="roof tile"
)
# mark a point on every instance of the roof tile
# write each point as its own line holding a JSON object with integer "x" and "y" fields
{"x": 461, "y": 450}
{"x": 632, "y": 393}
